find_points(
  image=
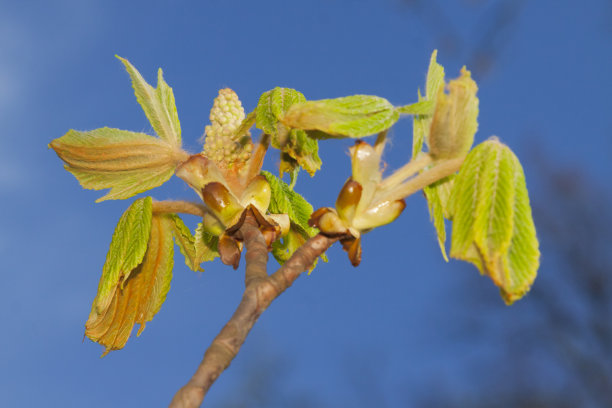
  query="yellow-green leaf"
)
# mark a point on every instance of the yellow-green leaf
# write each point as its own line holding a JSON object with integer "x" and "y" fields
{"x": 286, "y": 201}
{"x": 157, "y": 103}
{"x": 186, "y": 242}
{"x": 297, "y": 148}
{"x": 492, "y": 222}
{"x": 127, "y": 249}
{"x": 272, "y": 106}
{"x": 438, "y": 195}
{"x": 126, "y": 162}
{"x": 417, "y": 108}
{"x": 422, "y": 122}
{"x": 137, "y": 297}
{"x": 205, "y": 245}
{"x": 284, "y": 248}
{"x": 302, "y": 150}
{"x": 349, "y": 116}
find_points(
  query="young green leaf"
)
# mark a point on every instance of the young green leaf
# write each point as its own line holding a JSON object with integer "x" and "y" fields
{"x": 185, "y": 241}
{"x": 297, "y": 149}
{"x": 272, "y": 106}
{"x": 140, "y": 295}
{"x": 417, "y": 108}
{"x": 437, "y": 196}
{"x": 126, "y": 162}
{"x": 422, "y": 122}
{"x": 492, "y": 223}
{"x": 126, "y": 251}
{"x": 158, "y": 104}
{"x": 435, "y": 78}
{"x": 286, "y": 201}
{"x": 350, "y": 116}
{"x": 284, "y": 248}
{"x": 205, "y": 245}
{"x": 302, "y": 151}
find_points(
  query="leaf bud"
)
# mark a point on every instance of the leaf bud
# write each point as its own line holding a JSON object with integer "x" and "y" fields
{"x": 454, "y": 122}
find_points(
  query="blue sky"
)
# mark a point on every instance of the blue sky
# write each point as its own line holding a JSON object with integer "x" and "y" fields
{"x": 394, "y": 317}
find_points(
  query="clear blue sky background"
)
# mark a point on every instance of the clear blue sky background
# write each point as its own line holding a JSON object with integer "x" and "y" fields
{"x": 394, "y": 319}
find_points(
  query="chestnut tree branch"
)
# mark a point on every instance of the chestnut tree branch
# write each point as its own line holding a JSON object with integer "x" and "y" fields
{"x": 260, "y": 291}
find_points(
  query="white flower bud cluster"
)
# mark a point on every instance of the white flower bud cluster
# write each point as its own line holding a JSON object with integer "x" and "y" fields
{"x": 222, "y": 145}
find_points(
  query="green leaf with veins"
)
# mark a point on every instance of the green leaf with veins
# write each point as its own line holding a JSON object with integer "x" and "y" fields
{"x": 157, "y": 103}
{"x": 422, "y": 122}
{"x": 272, "y": 106}
{"x": 126, "y": 162}
{"x": 127, "y": 249}
{"x": 417, "y": 108}
{"x": 185, "y": 241}
{"x": 303, "y": 151}
{"x": 205, "y": 245}
{"x": 350, "y": 116}
{"x": 492, "y": 222}
{"x": 437, "y": 195}
{"x": 286, "y": 201}
{"x": 138, "y": 298}
{"x": 297, "y": 149}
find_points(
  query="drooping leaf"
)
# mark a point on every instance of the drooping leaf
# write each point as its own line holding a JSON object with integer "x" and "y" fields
{"x": 138, "y": 298}
{"x": 454, "y": 122}
{"x": 127, "y": 249}
{"x": 185, "y": 241}
{"x": 492, "y": 223}
{"x": 302, "y": 151}
{"x": 158, "y": 104}
{"x": 205, "y": 245}
{"x": 438, "y": 195}
{"x": 126, "y": 162}
{"x": 350, "y": 116}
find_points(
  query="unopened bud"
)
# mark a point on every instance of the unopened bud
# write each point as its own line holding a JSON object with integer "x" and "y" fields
{"x": 454, "y": 122}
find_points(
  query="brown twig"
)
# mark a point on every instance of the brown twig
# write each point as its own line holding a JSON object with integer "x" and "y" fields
{"x": 259, "y": 293}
